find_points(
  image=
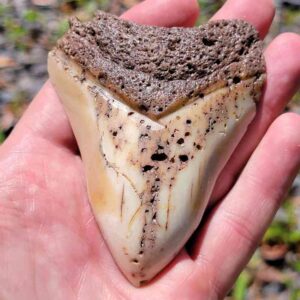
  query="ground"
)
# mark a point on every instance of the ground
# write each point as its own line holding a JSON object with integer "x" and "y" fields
{"x": 29, "y": 28}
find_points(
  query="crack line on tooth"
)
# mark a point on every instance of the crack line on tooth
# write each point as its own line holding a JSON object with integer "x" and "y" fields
{"x": 117, "y": 170}
{"x": 168, "y": 210}
{"x": 122, "y": 203}
{"x": 132, "y": 185}
{"x": 134, "y": 216}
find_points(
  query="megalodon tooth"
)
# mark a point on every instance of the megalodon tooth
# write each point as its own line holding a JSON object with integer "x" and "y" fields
{"x": 156, "y": 112}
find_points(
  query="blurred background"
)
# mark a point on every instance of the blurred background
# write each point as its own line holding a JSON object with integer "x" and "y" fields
{"x": 29, "y": 28}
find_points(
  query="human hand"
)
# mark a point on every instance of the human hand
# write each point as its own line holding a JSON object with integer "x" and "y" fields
{"x": 50, "y": 245}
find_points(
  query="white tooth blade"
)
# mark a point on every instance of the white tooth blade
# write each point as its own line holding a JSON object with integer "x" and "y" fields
{"x": 149, "y": 181}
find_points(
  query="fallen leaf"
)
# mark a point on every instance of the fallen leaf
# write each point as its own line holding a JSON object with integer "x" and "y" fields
{"x": 273, "y": 252}
{"x": 3, "y": 83}
{"x": 6, "y": 62}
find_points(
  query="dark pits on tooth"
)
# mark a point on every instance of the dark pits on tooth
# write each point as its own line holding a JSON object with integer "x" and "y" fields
{"x": 148, "y": 127}
{"x": 143, "y": 108}
{"x": 183, "y": 158}
{"x": 180, "y": 141}
{"x": 187, "y": 134}
{"x": 147, "y": 168}
{"x": 188, "y": 121}
{"x": 159, "y": 156}
{"x": 115, "y": 133}
{"x": 135, "y": 261}
{"x": 154, "y": 217}
{"x": 172, "y": 160}
{"x": 198, "y": 147}
{"x": 130, "y": 113}
{"x": 236, "y": 79}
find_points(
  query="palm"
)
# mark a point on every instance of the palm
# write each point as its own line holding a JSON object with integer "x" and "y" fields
{"x": 49, "y": 234}
{"x": 50, "y": 245}
{"x": 48, "y": 228}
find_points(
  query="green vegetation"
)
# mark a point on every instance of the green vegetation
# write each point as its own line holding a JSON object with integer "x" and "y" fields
{"x": 16, "y": 33}
{"x": 17, "y": 30}
{"x": 31, "y": 16}
{"x": 61, "y": 27}
{"x": 208, "y": 8}
{"x": 296, "y": 99}
{"x": 96, "y": 4}
{"x": 291, "y": 16}
{"x": 284, "y": 231}
{"x": 241, "y": 286}
{"x": 2, "y": 137}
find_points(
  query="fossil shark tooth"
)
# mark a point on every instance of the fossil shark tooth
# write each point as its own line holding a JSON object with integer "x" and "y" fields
{"x": 156, "y": 113}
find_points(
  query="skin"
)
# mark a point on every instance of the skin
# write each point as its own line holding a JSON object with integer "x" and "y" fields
{"x": 50, "y": 245}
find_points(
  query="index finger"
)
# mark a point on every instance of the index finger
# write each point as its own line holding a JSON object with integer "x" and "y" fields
{"x": 159, "y": 13}
{"x": 258, "y": 13}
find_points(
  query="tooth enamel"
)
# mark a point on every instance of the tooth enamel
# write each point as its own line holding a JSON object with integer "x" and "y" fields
{"x": 117, "y": 176}
{"x": 151, "y": 165}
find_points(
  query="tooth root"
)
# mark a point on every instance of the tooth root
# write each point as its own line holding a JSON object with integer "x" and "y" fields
{"x": 149, "y": 181}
